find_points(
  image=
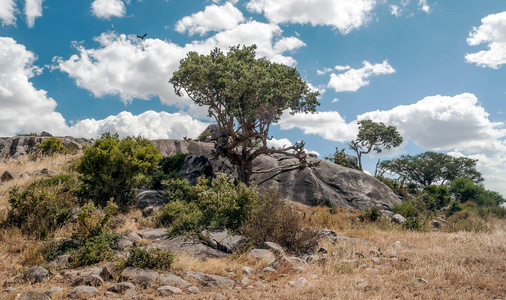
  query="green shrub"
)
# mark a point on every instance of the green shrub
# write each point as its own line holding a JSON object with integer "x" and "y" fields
{"x": 414, "y": 224}
{"x": 167, "y": 170}
{"x": 340, "y": 158}
{"x": 371, "y": 214}
{"x": 436, "y": 197}
{"x": 44, "y": 206}
{"x": 157, "y": 259}
{"x": 408, "y": 209}
{"x": 179, "y": 189}
{"x": 274, "y": 221}
{"x": 109, "y": 169}
{"x": 52, "y": 145}
{"x": 181, "y": 217}
{"x": 102, "y": 247}
{"x": 453, "y": 208}
{"x": 203, "y": 136}
{"x": 498, "y": 212}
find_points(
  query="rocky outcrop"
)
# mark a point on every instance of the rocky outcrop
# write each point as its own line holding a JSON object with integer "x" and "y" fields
{"x": 323, "y": 183}
{"x": 24, "y": 145}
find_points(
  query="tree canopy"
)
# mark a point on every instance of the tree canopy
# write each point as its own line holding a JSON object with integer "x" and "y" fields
{"x": 374, "y": 136}
{"x": 245, "y": 95}
{"x": 430, "y": 168}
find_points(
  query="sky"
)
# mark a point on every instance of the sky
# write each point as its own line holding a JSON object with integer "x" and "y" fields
{"x": 434, "y": 69}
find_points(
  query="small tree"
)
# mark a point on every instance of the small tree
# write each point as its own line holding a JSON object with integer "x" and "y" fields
{"x": 110, "y": 167}
{"x": 245, "y": 95}
{"x": 374, "y": 136}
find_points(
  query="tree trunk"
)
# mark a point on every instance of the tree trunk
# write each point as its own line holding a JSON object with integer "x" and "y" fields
{"x": 244, "y": 171}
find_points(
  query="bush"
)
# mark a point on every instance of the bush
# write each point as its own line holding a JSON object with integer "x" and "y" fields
{"x": 371, "y": 214}
{"x": 453, "y": 208}
{"x": 52, "y": 145}
{"x": 340, "y": 158}
{"x": 408, "y": 209}
{"x": 110, "y": 168}
{"x": 414, "y": 223}
{"x": 167, "y": 170}
{"x": 157, "y": 259}
{"x": 95, "y": 249}
{"x": 436, "y": 197}
{"x": 465, "y": 221}
{"x": 44, "y": 206}
{"x": 274, "y": 221}
{"x": 213, "y": 203}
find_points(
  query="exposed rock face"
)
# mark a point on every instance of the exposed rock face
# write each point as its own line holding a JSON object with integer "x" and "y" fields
{"x": 23, "y": 145}
{"x": 325, "y": 183}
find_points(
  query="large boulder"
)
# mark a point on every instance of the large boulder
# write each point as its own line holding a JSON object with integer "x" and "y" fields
{"x": 323, "y": 183}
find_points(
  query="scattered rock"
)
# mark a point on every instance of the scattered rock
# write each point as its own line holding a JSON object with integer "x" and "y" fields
{"x": 141, "y": 277}
{"x": 222, "y": 240}
{"x": 33, "y": 295}
{"x": 37, "y": 274}
{"x": 155, "y": 234}
{"x": 421, "y": 280}
{"x": 299, "y": 282}
{"x": 61, "y": 262}
{"x": 168, "y": 290}
{"x": 125, "y": 243}
{"x": 194, "y": 247}
{"x": 9, "y": 175}
{"x": 247, "y": 270}
{"x": 148, "y": 211}
{"x": 89, "y": 280}
{"x": 173, "y": 280}
{"x": 398, "y": 219}
{"x": 53, "y": 290}
{"x": 261, "y": 255}
{"x": 193, "y": 289}
{"x": 349, "y": 262}
{"x": 133, "y": 237}
{"x": 397, "y": 244}
{"x": 121, "y": 287}
{"x": 275, "y": 248}
{"x": 437, "y": 223}
{"x": 269, "y": 270}
{"x": 210, "y": 280}
{"x": 145, "y": 198}
{"x": 83, "y": 292}
{"x": 245, "y": 281}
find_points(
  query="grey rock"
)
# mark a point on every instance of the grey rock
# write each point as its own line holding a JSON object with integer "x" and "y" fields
{"x": 269, "y": 270}
{"x": 169, "y": 290}
{"x": 23, "y": 145}
{"x": 134, "y": 237}
{"x": 193, "y": 290}
{"x": 397, "y": 244}
{"x": 211, "y": 133}
{"x": 154, "y": 234}
{"x": 195, "y": 166}
{"x": 61, "y": 262}
{"x": 145, "y": 198}
{"x": 437, "y": 223}
{"x": 275, "y": 248}
{"x": 121, "y": 287}
{"x": 124, "y": 244}
{"x": 222, "y": 240}
{"x": 210, "y": 280}
{"x": 376, "y": 260}
{"x": 421, "y": 280}
{"x": 83, "y": 292}
{"x": 189, "y": 246}
{"x": 53, "y": 290}
{"x": 247, "y": 270}
{"x": 398, "y": 219}
{"x": 148, "y": 211}
{"x": 245, "y": 281}
{"x": 141, "y": 277}
{"x": 46, "y": 134}
{"x": 89, "y": 280}
{"x": 33, "y": 295}
{"x": 325, "y": 183}
{"x": 9, "y": 175}
{"x": 299, "y": 282}
{"x": 173, "y": 280}
{"x": 79, "y": 274}
{"x": 261, "y": 255}
{"x": 37, "y": 274}
{"x": 10, "y": 290}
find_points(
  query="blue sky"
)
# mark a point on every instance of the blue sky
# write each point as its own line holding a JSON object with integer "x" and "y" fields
{"x": 434, "y": 69}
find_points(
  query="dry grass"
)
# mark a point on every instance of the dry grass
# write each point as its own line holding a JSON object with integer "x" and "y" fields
{"x": 456, "y": 265}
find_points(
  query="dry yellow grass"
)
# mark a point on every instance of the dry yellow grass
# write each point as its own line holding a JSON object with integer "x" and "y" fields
{"x": 461, "y": 265}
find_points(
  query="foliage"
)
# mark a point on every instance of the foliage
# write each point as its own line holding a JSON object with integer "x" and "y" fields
{"x": 28, "y": 134}
{"x": 157, "y": 259}
{"x": 167, "y": 169}
{"x": 202, "y": 137}
{"x": 465, "y": 221}
{"x": 52, "y": 145}
{"x": 212, "y": 203}
{"x": 339, "y": 157}
{"x": 431, "y": 168}
{"x": 408, "y": 209}
{"x": 374, "y": 136}
{"x": 101, "y": 247}
{"x": 463, "y": 189}
{"x": 436, "y": 197}
{"x": 414, "y": 224}
{"x": 245, "y": 95}
{"x": 371, "y": 214}
{"x": 42, "y": 207}
{"x": 453, "y": 208}
{"x": 276, "y": 222}
{"x": 110, "y": 167}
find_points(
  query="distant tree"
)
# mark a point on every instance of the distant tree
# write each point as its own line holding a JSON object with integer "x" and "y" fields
{"x": 464, "y": 189}
{"x": 432, "y": 168}
{"x": 245, "y": 95}
{"x": 374, "y": 136}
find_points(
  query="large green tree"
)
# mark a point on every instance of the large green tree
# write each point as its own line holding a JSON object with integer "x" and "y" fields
{"x": 430, "y": 168}
{"x": 374, "y": 136}
{"x": 245, "y": 95}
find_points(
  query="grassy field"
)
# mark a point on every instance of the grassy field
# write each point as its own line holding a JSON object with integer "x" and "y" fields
{"x": 426, "y": 265}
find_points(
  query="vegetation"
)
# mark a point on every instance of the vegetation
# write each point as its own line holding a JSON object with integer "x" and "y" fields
{"x": 374, "y": 136}
{"x": 51, "y": 146}
{"x": 156, "y": 259}
{"x": 431, "y": 168}
{"x": 167, "y": 169}
{"x": 339, "y": 157}
{"x": 111, "y": 167}
{"x": 245, "y": 95}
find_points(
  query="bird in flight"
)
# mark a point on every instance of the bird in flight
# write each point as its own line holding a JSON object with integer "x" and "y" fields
{"x": 142, "y": 36}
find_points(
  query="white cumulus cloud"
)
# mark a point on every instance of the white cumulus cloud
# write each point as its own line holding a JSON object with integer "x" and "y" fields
{"x": 330, "y": 125}
{"x": 213, "y": 18}
{"x": 343, "y": 15}
{"x": 353, "y": 79}
{"x": 424, "y": 6}
{"x": 130, "y": 68}
{"x": 33, "y": 9}
{"x": 8, "y": 12}
{"x": 105, "y": 9}
{"x": 492, "y": 32}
